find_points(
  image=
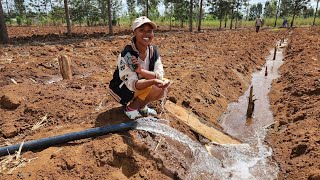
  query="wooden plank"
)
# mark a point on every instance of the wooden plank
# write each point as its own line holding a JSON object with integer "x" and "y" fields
{"x": 191, "y": 120}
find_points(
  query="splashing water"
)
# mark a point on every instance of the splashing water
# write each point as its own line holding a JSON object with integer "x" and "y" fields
{"x": 203, "y": 163}
{"x": 247, "y": 161}
{"x": 235, "y": 162}
{"x": 163, "y": 101}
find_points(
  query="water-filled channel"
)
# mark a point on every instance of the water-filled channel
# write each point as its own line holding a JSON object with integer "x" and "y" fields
{"x": 250, "y": 160}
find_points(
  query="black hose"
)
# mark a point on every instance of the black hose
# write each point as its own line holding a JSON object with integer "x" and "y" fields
{"x": 55, "y": 140}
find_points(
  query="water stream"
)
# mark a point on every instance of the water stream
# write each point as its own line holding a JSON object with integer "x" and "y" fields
{"x": 234, "y": 121}
{"x": 250, "y": 160}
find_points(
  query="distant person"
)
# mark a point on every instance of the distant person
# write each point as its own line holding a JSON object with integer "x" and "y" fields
{"x": 258, "y": 23}
{"x": 285, "y": 23}
{"x": 138, "y": 79}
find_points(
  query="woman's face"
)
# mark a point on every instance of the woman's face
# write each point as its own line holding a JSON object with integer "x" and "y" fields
{"x": 144, "y": 34}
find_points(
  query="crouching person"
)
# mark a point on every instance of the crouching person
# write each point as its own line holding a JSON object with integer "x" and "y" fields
{"x": 138, "y": 79}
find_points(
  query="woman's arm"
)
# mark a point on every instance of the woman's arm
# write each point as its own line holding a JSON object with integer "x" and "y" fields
{"x": 156, "y": 74}
{"x": 144, "y": 83}
{"x": 128, "y": 76}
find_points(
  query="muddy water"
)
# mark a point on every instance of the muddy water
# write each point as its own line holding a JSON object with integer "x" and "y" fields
{"x": 234, "y": 121}
{"x": 250, "y": 160}
{"x": 253, "y": 158}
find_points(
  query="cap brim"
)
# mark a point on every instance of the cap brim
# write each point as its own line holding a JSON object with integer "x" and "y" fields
{"x": 153, "y": 25}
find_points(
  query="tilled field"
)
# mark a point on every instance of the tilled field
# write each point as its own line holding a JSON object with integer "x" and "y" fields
{"x": 295, "y": 101}
{"x": 209, "y": 70}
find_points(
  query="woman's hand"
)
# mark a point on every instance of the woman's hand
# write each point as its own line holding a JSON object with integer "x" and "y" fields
{"x": 161, "y": 84}
{"x": 134, "y": 61}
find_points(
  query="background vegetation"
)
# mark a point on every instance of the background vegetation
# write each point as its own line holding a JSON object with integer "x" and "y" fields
{"x": 174, "y": 13}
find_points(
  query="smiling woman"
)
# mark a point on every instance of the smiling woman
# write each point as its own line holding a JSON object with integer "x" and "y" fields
{"x": 138, "y": 79}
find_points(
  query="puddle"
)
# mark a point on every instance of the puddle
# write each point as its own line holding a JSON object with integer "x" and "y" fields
{"x": 53, "y": 79}
{"x": 87, "y": 73}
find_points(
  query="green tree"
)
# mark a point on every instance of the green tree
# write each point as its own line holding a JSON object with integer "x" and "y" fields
{"x": 296, "y": 6}
{"x": 104, "y": 10}
{"x": 315, "y": 13}
{"x": 78, "y": 11}
{"x": 3, "y": 28}
{"x": 238, "y": 15}
{"x": 169, "y": 11}
{"x": 116, "y": 7}
{"x": 270, "y": 8}
{"x": 180, "y": 10}
{"x": 131, "y": 9}
{"x": 220, "y": 9}
{"x": 255, "y": 11}
{"x": 293, "y": 7}
{"x": 149, "y": 8}
{"x": 307, "y": 12}
{"x": 277, "y": 13}
{"x": 246, "y": 8}
{"x": 259, "y": 9}
{"x": 66, "y": 10}
{"x": 19, "y": 5}
{"x": 8, "y": 11}
{"x": 200, "y": 15}
{"x": 232, "y": 6}
{"x": 110, "y": 18}
{"x": 57, "y": 14}
{"x": 190, "y": 15}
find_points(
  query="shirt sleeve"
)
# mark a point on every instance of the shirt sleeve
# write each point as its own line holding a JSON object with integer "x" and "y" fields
{"x": 128, "y": 76}
{"x": 158, "y": 69}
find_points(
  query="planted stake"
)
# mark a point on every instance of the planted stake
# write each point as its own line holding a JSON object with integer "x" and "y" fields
{"x": 266, "y": 72}
{"x": 250, "y": 104}
{"x": 275, "y": 52}
{"x": 65, "y": 67}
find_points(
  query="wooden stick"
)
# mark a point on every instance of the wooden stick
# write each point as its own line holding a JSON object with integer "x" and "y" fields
{"x": 65, "y": 67}
{"x": 275, "y": 52}
{"x": 266, "y": 72}
{"x": 158, "y": 144}
{"x": 250, "y": 103}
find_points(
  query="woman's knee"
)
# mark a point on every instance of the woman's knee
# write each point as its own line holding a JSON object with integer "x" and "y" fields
{"x": 154, "y": 93}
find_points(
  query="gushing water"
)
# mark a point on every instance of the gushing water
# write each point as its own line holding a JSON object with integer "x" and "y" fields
{"x": 203, "y": 163}
{"x": 163, "y": 101}
{"x": 242, "y": 161}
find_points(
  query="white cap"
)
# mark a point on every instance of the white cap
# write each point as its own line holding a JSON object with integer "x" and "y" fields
{"x": 142, "y": 20}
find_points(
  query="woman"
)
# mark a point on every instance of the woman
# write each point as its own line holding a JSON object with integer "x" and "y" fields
{"x": 138, "y": 79}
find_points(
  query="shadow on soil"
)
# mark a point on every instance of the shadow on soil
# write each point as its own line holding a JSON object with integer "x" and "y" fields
{"x": 111, "y": 116}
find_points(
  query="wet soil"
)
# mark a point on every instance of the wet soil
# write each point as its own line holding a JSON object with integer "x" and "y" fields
{"x": 209, "y": 69}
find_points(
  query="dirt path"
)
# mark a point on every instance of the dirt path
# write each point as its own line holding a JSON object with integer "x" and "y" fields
{"x": 209, "y": 70}
{"x": 295, "y": 100}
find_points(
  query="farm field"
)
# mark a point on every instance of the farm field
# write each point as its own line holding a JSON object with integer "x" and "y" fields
{"x": 209, "y": 70}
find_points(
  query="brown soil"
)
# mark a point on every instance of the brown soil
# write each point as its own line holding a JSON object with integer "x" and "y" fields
{"x": 209, "y": 70}
{"x": 295, "y": 101}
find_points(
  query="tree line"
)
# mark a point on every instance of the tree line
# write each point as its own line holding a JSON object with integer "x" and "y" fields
{"x": 108, "y": 12}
